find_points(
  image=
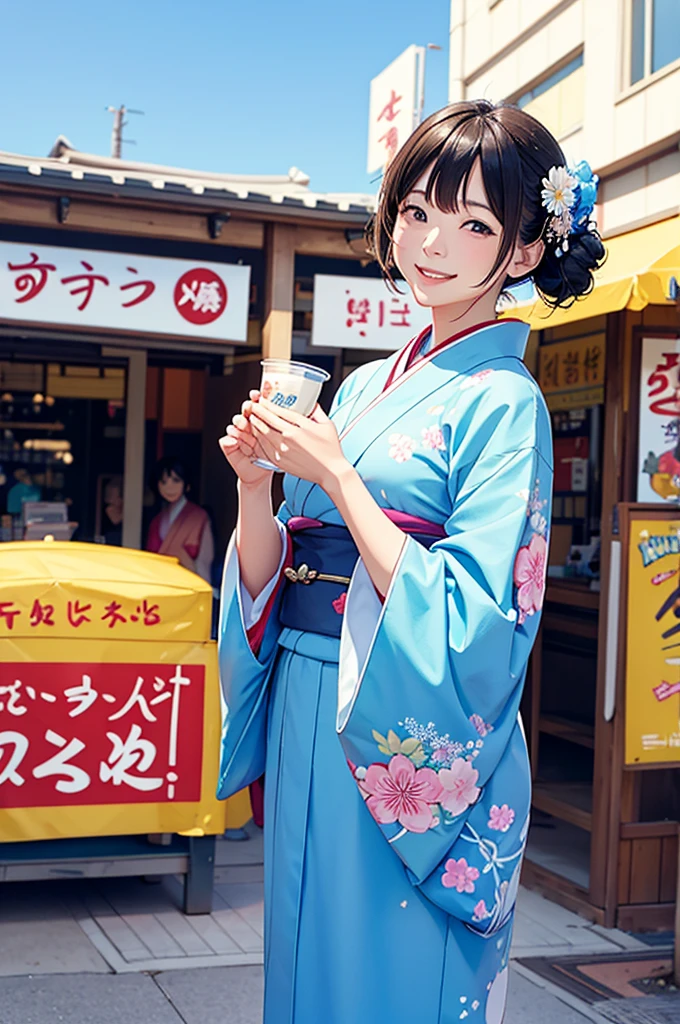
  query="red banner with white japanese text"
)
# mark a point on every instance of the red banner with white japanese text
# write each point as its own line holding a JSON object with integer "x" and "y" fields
{"x": 73, "y": 734}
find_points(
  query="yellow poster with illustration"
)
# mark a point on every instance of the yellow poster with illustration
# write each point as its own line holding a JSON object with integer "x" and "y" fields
{"x": 653, "y": 642}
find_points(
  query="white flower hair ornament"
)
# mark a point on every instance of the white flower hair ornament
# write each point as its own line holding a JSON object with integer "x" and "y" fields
{"x": 569, "y": 195}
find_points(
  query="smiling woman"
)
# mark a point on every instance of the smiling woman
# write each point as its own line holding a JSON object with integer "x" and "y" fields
{"x": 477, "y": 170}
{"x": 385, "y": 713}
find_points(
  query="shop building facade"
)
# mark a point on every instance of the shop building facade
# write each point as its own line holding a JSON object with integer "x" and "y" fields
{"x": 602, "y": 725}
{"x": 89, "y": 400}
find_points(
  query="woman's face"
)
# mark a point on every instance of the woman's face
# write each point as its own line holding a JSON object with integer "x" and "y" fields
{"x": 170, "y": 487}
{"x": 445, "y": 256}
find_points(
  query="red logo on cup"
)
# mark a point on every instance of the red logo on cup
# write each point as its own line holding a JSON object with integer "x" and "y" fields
{"x": 200, "y": 296}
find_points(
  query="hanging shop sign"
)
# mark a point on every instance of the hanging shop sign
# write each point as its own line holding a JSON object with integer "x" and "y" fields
{"x": 123, "y": 292}
{"x": 658, "y": 471}
{"x": 653, "y": 642}
{"x": 571, "y": 373}
{"x": 392, "y": 107}
{"x": 361, "y": 312}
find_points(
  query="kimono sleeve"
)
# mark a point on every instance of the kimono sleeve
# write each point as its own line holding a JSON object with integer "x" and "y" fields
{"x": 245, "y": 664}
{"x": 430, "y": 684}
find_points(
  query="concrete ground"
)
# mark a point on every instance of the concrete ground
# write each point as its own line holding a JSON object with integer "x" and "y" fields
{"x": 104, "y": 951}
{"x": 206, "y": 995}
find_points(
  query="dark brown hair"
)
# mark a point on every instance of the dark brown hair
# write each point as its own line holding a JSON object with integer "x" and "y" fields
{"x": 515, "y": 152}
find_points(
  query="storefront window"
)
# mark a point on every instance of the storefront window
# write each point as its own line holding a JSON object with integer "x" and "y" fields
{"x": 558, "y": 99}
{"x": 654, "y": 37}
{"x": 62, "y": 441}
{"x": 665, "y": 33}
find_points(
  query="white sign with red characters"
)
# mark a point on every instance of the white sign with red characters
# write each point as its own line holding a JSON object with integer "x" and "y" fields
{"x": 659, "y": 428}
{"x": 362, "y": 312}
{"x": 124, "y": 292}
{"x": 392, "y": 108}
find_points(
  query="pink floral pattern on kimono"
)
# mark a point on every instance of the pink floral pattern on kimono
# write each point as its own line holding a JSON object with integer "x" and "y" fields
{"x": 402, "y": 447}
{"x": 482, "y": 727}
{"x": 459, "y": 876}
{"x": 398, "y": 792}
{"x": 474, "y": 379}
{"x": 480, "y": 913}
{"x": 501, "y": 818}
{"x": 458, "y": 789}
{"x": 433, "y": 438}
{"x": 529, "y": 576}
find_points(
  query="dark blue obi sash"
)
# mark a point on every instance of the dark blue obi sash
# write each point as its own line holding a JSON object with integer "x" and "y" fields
{"x": 313, "y": 603}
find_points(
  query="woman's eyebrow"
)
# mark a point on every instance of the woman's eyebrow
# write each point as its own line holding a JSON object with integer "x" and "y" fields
{"x": 469, "y": 203}
{"x": 483, "y": 206}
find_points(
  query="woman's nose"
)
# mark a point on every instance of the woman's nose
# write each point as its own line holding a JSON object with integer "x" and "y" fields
{"x": 433, "y": 245}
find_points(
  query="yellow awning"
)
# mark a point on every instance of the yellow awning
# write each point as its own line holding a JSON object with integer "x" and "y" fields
{"x": 637, "y": 272}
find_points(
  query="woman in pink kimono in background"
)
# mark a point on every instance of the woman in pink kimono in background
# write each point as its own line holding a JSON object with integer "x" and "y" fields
{"x": 182, "y": 528}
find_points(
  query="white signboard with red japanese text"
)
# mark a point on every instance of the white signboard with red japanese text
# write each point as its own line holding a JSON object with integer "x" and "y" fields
{"x": 362, "y": 312}
{"x": 659, "y": 424}
{"x": 123, "y": 292}
{"x": 392, "y": 108}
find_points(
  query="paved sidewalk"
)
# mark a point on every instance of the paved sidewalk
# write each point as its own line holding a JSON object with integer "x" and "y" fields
{"x": 221, "y": 995}
{"x": 106, "y": 950}
{"x": 128, "y": 925}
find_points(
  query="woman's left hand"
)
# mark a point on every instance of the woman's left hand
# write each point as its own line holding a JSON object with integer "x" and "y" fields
{"x": 305, "y": 446}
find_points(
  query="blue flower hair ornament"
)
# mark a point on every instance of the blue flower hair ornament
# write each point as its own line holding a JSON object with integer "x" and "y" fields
{"x": 569, "y": 195}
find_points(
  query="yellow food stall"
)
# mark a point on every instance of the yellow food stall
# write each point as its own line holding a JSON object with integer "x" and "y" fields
{"x": 109, "y": 717}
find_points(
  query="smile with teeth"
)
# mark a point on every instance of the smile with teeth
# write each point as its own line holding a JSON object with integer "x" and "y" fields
{"x": 434, "y": 275}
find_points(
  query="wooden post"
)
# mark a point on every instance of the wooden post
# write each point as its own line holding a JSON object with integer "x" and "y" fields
{"x": 135, "y": 428}
{"x": 676, "y": 953}
{"x": 277, "y": 333}
{"x": 603, "y": 889}
{"x": 133, "y": 485}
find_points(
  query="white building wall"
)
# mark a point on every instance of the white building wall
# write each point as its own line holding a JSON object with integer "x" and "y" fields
{"x": 629, "y": 134}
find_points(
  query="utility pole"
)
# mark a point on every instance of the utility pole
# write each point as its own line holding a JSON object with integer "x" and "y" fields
{"x": 420, "y": 87}
{"x": 119, "y": 123}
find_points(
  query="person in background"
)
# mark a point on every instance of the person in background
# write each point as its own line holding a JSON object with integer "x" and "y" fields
{"x": 181, "y": 528}
{"x": 113, "y": 509}
{"x": 22, "y": 491}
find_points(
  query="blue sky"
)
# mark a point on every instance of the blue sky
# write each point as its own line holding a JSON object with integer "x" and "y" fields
{"x": 251, "y": 87}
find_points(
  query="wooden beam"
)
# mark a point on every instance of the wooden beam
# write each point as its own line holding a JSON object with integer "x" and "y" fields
{"x": 114, "y": 218}
{"x": 648, "y": 829}
{"x": 277, "y": 333}
{"x": 645, "y": 917}
{"x": 329, "y": 242}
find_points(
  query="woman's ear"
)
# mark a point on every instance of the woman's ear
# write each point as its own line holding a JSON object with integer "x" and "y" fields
{"x": 526, "y": 258}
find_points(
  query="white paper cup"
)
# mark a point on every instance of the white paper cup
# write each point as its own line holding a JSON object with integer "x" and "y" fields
{"x": 290, "y": 385}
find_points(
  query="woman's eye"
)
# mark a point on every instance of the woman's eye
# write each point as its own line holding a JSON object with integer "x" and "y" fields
{"x": 478, "y": 227}
{"x": 415, "y": 212}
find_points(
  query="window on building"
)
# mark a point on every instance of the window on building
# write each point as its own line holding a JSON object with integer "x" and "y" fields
{"x": 557, "y": 100}
{"x": 654, "y": 36}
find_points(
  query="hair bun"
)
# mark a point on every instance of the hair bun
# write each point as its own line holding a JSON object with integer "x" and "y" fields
{"x": 563, "y": 277}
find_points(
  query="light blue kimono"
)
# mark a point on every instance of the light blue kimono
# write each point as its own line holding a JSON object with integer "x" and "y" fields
{"x": 397, "y": 786}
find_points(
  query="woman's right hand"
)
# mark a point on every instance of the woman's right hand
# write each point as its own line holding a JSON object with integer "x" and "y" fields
{"x": 240, "y": 447}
